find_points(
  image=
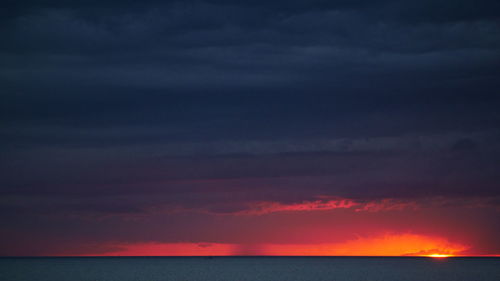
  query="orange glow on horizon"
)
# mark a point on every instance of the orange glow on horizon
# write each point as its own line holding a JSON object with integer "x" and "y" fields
{"x": 386, "y": 245}
{"x": 171, "y": 249}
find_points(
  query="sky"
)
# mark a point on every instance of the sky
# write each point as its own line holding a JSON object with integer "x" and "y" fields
{"x": 219, "y": 127}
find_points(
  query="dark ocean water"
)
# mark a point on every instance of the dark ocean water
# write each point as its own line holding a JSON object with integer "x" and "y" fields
{"x": 249, "y": 268}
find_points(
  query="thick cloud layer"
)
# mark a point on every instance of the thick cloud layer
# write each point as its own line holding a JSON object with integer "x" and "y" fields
{"x": 130, "y": 109}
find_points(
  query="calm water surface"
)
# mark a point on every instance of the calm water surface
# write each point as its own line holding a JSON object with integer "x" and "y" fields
{"x": 249, "y": 269}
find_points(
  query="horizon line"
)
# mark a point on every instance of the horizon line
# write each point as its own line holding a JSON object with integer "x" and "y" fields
{"x": 253, "y": 256}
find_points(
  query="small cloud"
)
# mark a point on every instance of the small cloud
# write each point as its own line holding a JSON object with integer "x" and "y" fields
{"x": 387, "y": 205}
{"x": 326, "y": 203}
{"x": 266, "y": 207}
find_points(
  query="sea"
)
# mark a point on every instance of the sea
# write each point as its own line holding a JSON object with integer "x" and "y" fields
{"x": 249, "y": 269}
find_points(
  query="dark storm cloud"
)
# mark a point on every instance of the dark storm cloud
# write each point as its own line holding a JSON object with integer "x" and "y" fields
{"x": 121, "y": 107}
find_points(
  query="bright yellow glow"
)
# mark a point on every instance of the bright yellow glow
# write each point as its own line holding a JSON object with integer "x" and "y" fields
{"x": 439, "y": 256}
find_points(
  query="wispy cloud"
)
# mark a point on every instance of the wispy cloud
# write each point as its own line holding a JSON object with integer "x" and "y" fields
{"x": 326, "y": 203}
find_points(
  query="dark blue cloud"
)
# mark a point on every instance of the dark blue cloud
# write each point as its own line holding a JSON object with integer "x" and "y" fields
{"x": 194, "y": 104}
